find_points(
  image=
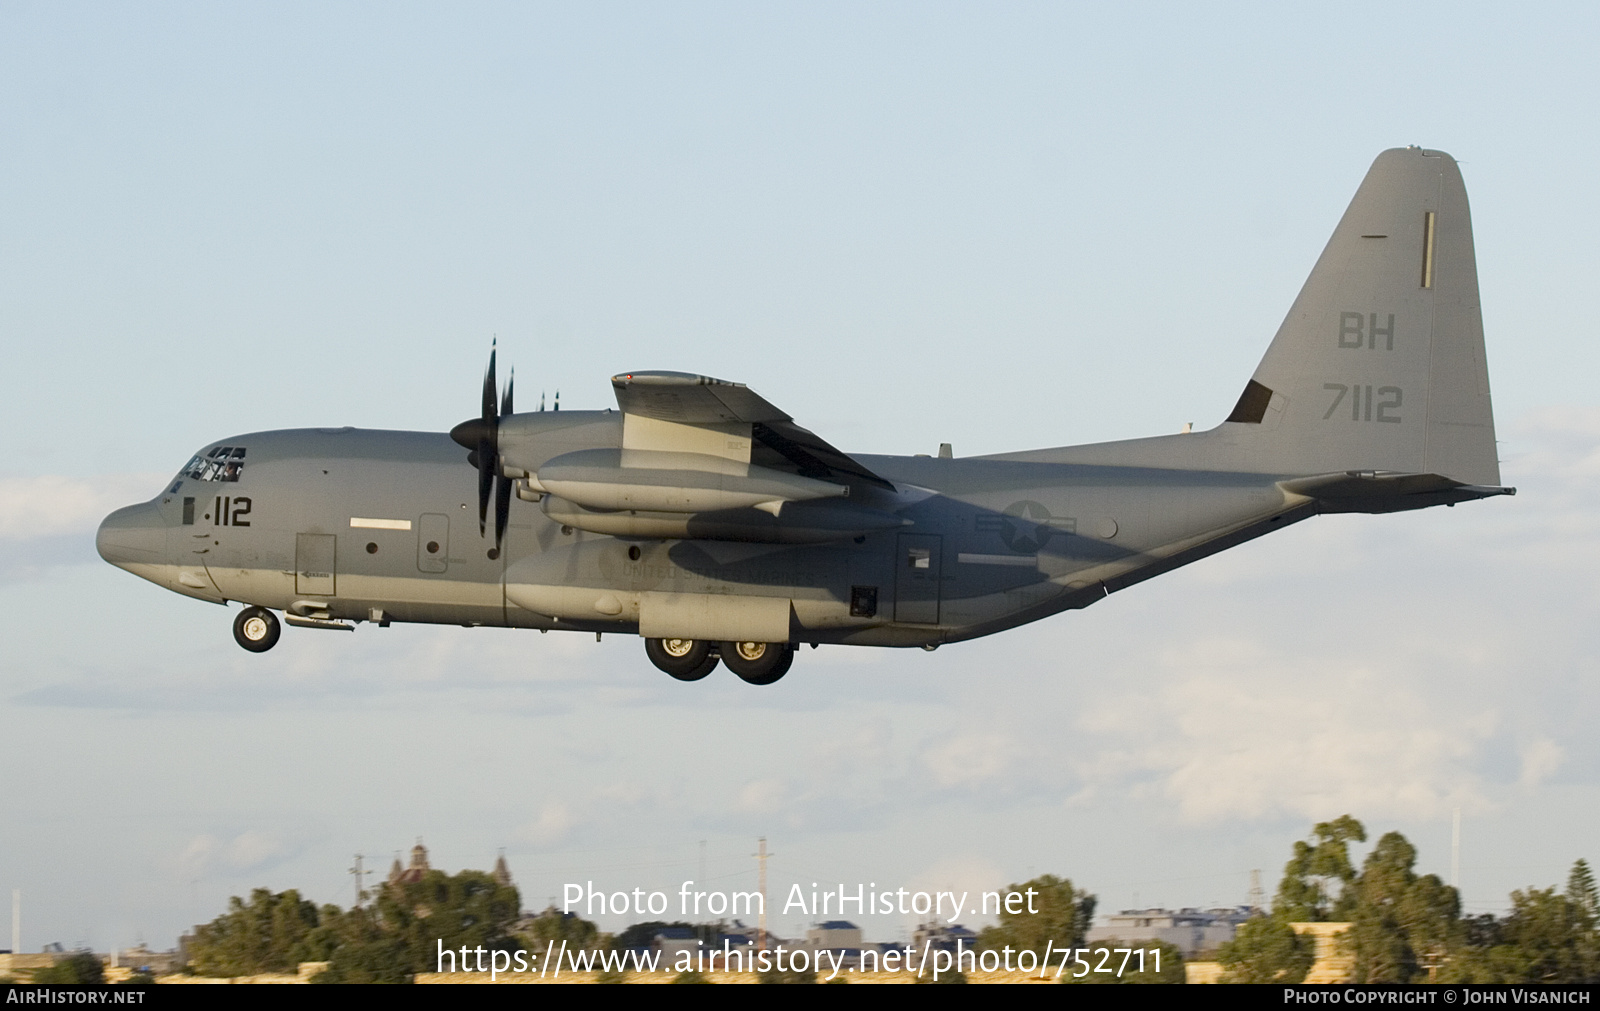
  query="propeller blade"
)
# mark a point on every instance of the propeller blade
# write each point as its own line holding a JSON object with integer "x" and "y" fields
{"x": 490, "y": 409}
{"x": 488, "y": 445}
{"x": 502, "y": 509}
{"x": 502, "y": 490}
{"x": 488, "y": 461}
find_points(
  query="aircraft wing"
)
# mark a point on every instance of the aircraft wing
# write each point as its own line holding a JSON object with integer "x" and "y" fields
{"x": 700, "y": 402}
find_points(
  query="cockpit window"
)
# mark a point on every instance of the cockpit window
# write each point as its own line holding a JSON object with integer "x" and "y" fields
{"x": 224, "y": 463}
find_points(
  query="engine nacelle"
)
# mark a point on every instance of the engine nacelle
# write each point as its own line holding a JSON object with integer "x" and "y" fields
{"x": 652, "y": 481}
{"x": 818, "y": 522}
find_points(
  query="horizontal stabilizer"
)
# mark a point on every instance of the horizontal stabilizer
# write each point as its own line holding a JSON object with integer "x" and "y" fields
{"x": 1378, "y": 492}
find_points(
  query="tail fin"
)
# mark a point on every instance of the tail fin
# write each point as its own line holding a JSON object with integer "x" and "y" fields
{"x": 1380, "y": 363}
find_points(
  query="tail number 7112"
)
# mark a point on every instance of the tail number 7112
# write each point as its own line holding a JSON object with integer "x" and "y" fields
{"x": 1362, "y": 407}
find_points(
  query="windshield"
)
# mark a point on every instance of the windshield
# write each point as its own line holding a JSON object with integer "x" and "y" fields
{"x": 224, "y": 463}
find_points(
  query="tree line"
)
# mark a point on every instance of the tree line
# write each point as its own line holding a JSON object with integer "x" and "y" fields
{"x": 387, "y": 941}
{"x": 1409, "y": 928}
{"x": 1404, "y": 928}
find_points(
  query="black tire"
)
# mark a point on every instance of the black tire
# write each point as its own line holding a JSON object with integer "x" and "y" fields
{"x": 256, "y": 629}
{"x": 684, "y": 659}
{"x": 758, "y": 663}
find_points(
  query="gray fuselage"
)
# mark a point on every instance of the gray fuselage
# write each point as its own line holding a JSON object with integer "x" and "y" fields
{"x": 376, "y": 525}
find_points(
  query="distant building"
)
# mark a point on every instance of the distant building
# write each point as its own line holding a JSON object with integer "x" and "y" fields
{"x": 1191, "y": 931}
{"x": 142, "y": 959}
{"x": 410, "y": 875}
{"x": 738, "y": 939}
{"x": 943, "y": 936}
{"x": 834, "y": 934}
{"x": 420, "y": 867}
{"x": 738, "y": 933}
{"x": 671, "y": 940}
{"x": 841, "y": 937}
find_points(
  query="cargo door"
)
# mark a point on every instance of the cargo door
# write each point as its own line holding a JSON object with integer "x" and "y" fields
{"x": 916, "y": 580}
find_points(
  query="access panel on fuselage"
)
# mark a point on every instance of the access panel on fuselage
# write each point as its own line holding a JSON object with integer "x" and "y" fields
{"x": 314, "y": 564}
{"x": 433, "y": 542}
{"x": 916, "y": 579}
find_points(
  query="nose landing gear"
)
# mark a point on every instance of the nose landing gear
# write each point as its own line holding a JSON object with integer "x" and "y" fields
{"x": 256, "y": 629}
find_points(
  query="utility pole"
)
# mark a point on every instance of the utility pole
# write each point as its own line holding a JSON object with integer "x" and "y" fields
{"x": 1455, "y": 850}
{"x": 360, "y": 876}
{"x": 761, "y": 856}
{"x": 1257, "y": 897}
{"x": 16, "y": 921}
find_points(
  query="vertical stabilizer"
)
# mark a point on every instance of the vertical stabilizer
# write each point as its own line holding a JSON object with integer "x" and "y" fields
{"x": 1380, "y": 363}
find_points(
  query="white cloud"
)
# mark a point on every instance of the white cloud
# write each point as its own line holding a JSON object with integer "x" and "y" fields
{"x": 762, "y": 796}
{"x": 1344, "y": 744}
{"x": 968, "y": 759}
{"x": 554, "y": 824}
{"x": 1540, "y": 759}
{"x": 860, "y": 751}
{"x": 197, "y": 858}
{"x": 970, "y": 875}
{"x": 248, "y": 851}
{"x": 253, "y": 849}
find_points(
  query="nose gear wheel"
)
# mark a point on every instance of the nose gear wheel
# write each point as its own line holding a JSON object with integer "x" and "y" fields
{"x": 256, "y": 629}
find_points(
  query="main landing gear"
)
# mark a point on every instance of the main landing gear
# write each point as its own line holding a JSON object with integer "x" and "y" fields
{"x": 256, "y": 629}
{"x": 684, "y": 659}
{"x": 757, "y": 663}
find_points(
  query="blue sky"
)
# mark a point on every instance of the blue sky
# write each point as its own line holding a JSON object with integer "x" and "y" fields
{"x": 1001, "y": 226}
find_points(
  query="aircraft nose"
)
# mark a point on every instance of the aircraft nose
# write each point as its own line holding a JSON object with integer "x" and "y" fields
{"x": 133, "y": 535}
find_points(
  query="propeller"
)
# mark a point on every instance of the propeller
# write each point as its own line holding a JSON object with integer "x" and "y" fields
{"x": 481, "y": 436}
{"x": 502, "y": 489}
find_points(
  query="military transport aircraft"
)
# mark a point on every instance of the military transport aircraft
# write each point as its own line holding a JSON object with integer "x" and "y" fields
{"x": 704, "y": 519}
